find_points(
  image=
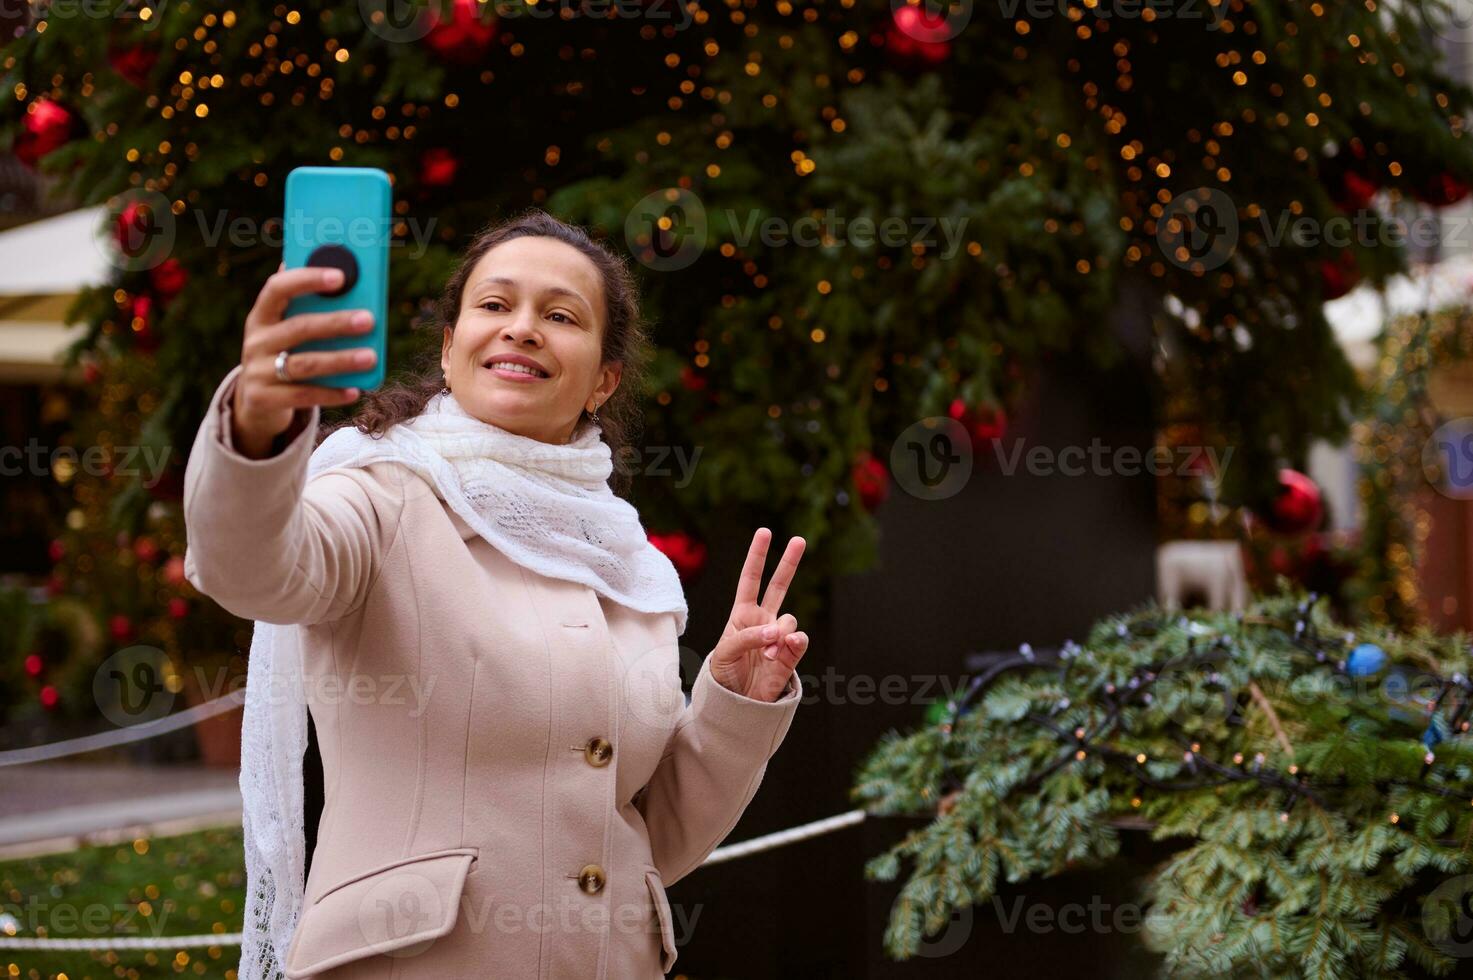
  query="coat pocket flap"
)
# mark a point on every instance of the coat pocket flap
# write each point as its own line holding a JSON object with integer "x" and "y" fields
{"x": 399, "y": 907}
{"x": 662, "y": 913}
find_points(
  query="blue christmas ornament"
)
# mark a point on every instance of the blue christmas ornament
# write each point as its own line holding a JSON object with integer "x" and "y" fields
{"x": 1365, "y": 660}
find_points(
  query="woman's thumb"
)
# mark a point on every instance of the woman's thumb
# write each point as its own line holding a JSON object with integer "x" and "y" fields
{"x": 754, "y": 637}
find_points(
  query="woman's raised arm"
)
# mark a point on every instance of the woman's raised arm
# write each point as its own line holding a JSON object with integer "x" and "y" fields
{"x": 263, "y": 541}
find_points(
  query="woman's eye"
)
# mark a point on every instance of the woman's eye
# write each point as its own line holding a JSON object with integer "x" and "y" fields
{"x": 490, "y": 303}
{"x": 563, "y": 317}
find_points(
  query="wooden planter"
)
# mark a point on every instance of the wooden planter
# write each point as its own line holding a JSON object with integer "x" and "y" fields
{"x": 219, "y": 735}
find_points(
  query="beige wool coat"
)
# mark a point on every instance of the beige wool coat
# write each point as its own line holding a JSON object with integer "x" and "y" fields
{"x": 512, "y": 774}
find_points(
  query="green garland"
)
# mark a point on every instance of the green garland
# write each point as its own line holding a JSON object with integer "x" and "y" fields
{"x": 1319, "y": 810}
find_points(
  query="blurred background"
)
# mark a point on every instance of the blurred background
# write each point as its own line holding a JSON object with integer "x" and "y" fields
{"x": 1023, "y": 313}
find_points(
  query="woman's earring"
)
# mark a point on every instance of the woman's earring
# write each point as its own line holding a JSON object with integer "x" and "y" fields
{"x": 593, "y": 417}
{"x": 445, "y": 390}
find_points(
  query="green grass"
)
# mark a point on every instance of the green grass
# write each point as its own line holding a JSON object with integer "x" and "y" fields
{"x": 184, "y": 885}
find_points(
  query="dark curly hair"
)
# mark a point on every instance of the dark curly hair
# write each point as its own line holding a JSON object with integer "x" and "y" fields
{"x": 624, "y": 339}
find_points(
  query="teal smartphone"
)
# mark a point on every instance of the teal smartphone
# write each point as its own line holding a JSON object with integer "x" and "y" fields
{"x": 340, "y": 217}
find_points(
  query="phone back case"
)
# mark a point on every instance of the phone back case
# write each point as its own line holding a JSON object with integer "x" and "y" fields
{"x": 349, "y": 207}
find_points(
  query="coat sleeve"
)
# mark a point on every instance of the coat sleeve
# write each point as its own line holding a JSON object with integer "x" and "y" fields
{"x": 268, "y": 544}
{"x": 711, "y": 769}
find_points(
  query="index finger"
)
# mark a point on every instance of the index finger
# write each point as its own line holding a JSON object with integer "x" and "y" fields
{"x": 283, "y": 285}
{"x": 777, "y": 589}
{"x": 751, "y": 578}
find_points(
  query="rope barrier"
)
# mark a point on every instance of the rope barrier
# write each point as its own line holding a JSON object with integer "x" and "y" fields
{"x": 129, "y": 733}
{"x": 730, "y": 852}
{"x": 122, "y": 942}
{"x": 790, "y": 836}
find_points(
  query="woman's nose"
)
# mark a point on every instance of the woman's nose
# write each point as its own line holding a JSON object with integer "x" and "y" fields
{"x": 522, "y": 329}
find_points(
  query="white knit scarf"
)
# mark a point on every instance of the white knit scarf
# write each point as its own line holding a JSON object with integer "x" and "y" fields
{"x": 546, "y": 507}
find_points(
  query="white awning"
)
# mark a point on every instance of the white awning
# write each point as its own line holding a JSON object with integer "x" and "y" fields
{"x": 43, "y": 265}
{"x": 64, "y": 254}
{"x": 1359, "y": 316}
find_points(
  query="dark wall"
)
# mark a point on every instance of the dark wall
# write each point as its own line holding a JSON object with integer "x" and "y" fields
{"x": 1009, "y": 559}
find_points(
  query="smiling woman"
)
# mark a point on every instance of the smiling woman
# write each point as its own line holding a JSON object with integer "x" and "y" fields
{"x": 460, "y": 538}
{"x": 525, "y": 353}
{"x": 538, "y": 292}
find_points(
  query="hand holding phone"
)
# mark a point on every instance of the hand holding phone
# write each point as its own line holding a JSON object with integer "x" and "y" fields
{"x": 263, "y": 403}
{"x": 316, "y": 334}
{"x": 339, "y": 218}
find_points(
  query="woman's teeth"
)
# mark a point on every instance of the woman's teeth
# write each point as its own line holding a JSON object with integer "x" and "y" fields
{"x": 520, "y": 368}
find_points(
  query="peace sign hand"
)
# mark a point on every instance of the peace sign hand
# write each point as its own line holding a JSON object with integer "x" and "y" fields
{"x": 759, "y": 650}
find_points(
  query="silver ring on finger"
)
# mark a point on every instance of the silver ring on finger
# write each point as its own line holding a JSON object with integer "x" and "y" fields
{"x": 281, "y": 372}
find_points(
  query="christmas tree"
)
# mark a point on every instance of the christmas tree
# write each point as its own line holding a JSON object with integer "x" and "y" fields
{"x": 1317, "y": 780}
{"x": 849, "y": 217}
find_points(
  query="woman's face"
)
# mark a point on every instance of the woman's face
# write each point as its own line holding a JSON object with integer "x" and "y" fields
{"x": 543, "y": 300}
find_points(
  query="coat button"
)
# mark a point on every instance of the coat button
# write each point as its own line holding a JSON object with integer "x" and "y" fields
{"x": 598, "y": 751}
{"x": 591, "y": 879}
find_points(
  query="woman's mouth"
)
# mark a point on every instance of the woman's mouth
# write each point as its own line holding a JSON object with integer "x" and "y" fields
{"x": 513, "y": 371}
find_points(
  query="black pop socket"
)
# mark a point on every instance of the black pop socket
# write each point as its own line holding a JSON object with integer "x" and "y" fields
{"x": 335, "y": 257}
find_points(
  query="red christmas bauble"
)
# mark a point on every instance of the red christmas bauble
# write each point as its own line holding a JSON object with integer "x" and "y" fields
{"x": 178, "y": 608}
{"x": 169, "y": 278}
{"x": 1338, "y": 276}
{"x": 121, "y": 628}
{"x": 690, "y": 379}
{"x": 34, "y": 664}
{"x": 49, "y": 697}
{"x": 91, "y": 373}
{"x": 1278, "y": 560}
{"x": 134, "y": 227}
{"x": 1442, "y": 190}
{"x": 140, "y": 322}
{"x": 984, "y": 425}
{"x": 918, "y": 36}
{"x": 871, "y": 480}
{"x": 1298, "y": 506}
{"x": 685, "y": 552}
{"x": 465, "y": 36}
{"x": 134, "y": 63}
{"x": 145, "y": 548}
{"x": 174, "y": 571}
{"x": 47, "y": 126}
{"x": 169, "y": 486}
{"x": 56, "y": 550}
{"x": 1356, "y": 191}
{"x": 437, "y": 167}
